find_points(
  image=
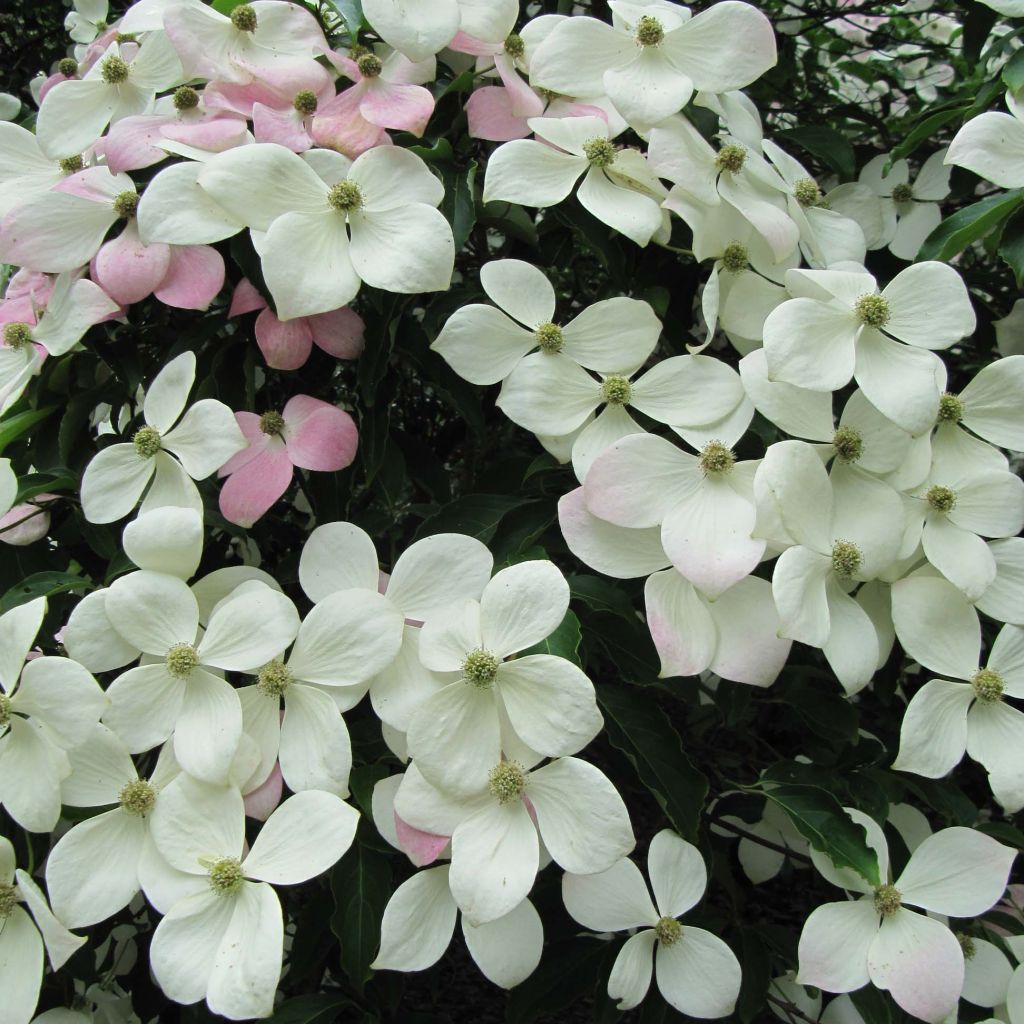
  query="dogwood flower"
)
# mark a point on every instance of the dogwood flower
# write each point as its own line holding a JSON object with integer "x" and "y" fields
{"x": 306, "y": 433}
{"x": 579, "y": 816}
{"x": 455, "y": 734}
{"x": 875, "y": 937}
{"x": 224, "y": 940}
{"x": 87, "y": 20}
{"x": 989, "y": 404}
{"x": 653, "y": 58}
{"x": 992, "y": 145}
{"x": 25, "y": 170}
{"x": 419, "y": 921}
{"x": 23, "y": 938}
{"x": 48, "y": 706}
{"x": 385, "y": 200}
{"x": 696, "y": 972}
{"x": 174, "y": 691}
{"x": 484, "y": 345}
{"x": 203, "y": 439}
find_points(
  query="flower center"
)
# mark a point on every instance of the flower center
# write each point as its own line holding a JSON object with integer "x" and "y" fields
{"x": 872, "y": 311}
{"x": 616, "y": 390}
{"x": 807, "y": 192}
{"x": 846, "y": 558}
{"x": 967, "y": 946}
{"x": 951, "y": 408}
{"x": 649, "y": 31}
{"x": 848, "y": 444}
{"x": 902, "y": 194}
{"x": 17, "y": 335}
{"x": 345, "y": 197}
{"x": 370, "y": 65}
{"x": 600, "y": 152}
{"x": 305, "y": 102}
{"x": 731, "y": 158}
{"x": 147, "y": 442}
{"x": 185, "y": 98}
{"x": 126, "y": 205}
{"x": 68, "y": 67}
{"x": 114, "y": 70}
{"x": 126, "y": 37}
{"x": 272, "y": 423}
{"x": 243, "y": 17}
{"x": 226, "y": 874}
{"x": 507, "y": 781}
{"x": 941, "y": 499}
{"x": 888, "y": 900}
{"x": 275, "y": 677}
{"x": 988, "y": 686}
{"x": 71, "y": 164}
{"x": 181, "y": 660}
{"x": 514, "y": 46}
{"x": 669, "y": 931}
{"x": 8, "y": 898}
{"x": 137, "y": 798}
{"x": 735, "y": 257}
{"x": 715, "y": 459}
{"x": 480, "y": 668}
{"x": 5, "y": 709}
{"x": 549, "y": 337}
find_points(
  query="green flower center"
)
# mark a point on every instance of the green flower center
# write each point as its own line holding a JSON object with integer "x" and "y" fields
{"x": 735, "y": 257}
{"x": 17, "y": 335}
{"x": 669, "y": 931}
{"x": 848, "y": 444}
{"x": 68, "y": 67}
{"x": 807, "y": 192}
{"x": 649, "y": 31}
{"x": 988, "y": 686}
{"x": 126, "y": 205}
{"x": 888, "y": 899}
{"x": 8, "y": 898}
{"x": 114, "y": 70}
{"x": 507, "y": 781}
{"x": 243, "y": 17}
{"x": 185, "y": 98}
{"x": 71, "y": 164}
{"x": 305, "y": 102}
{"x": 549, "y": 337}
{"x": 480, "y": 668}
{"x": 600, "y": 152}
{"x": 370, "y": 65}
{"x": 941, "y": 499}
{"x": 345, "y": 197}
{"x": 275, "y": 677}
{"x": 272, "y": 423}
{"x": 616, "y": 390}
{"x": 138, "y": 798}
{"x": 147, "y": 442}
{"x": 226, "y": 874}
{"x": 967, "y": 946}
{"x": 846, "y": 558}
{"x": 5, "y": 709}
{"x": 951, "y": 408}
{"x": 715, "y": 459}
{"x": 181, "y": 660}
{"x": 126, "y": 37}
{"x": 514, "y": 46}
{"x": 902, "y": 194}
{"x": 731, "y": 158}
{"x": 872, "y": 311}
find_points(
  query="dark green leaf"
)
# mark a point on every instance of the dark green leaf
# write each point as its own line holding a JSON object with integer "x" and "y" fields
{"x": 21, "y": 423}
{"x": 826, "y": 144}
{"x": 965, "y": 226}
{"x": 640, "y": 729}
{"x": 1011, "y": 245}
{"x": 822, "y": 710}
{"x": 324, "y": 1008}
{"x": 41, "y": 584}
{"x": 351, "y": 12}
{"x": 568, "y": 970}
{"x": 1013, "y": 72}
{"x": 459, "y": 204}
{"x": 563, "y": 643}
{"x": 601, "y": 595}
{"x": 477, "y": 515}
{"x": 821, "y": 820}
{"x": 924, "y": 130}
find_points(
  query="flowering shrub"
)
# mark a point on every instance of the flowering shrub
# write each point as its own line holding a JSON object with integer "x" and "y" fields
{"x": 456, "y": 453}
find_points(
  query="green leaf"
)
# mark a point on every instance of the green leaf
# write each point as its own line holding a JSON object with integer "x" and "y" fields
{"x": 564, "y": 642}
{"x": 351, "y": 12}
{"x": 569, "y": 970}
{"x": 601, "y": 595}
{"x": 361, "y": 886}
{"x": 1011, "y": 245}
{"x": 312, "y": 1009}
{"x": 226, "y": 6}
{"x": 477, "y": 515}
{"x": 966, "y": 226}
{"x": 459, "y": 204}
{"x": 827, "y": 145}
{"x": 641, "y": 730}
{"x": 21, "y": 423}
{"x": 821, "y": 820}
{"x": 32, "y": 484}
{"x": 924, "y": 130}
{"x": 1013, "y": 72}
{"x": 41, "y": 584}
{"x": 822, "y": 710}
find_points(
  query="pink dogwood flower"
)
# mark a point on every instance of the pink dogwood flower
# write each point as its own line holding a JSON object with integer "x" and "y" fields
{"x": 286, "y": 345}
{"x": 307, "y": 433}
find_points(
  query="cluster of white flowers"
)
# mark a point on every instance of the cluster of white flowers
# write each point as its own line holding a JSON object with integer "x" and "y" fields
{"x": 886, "y": 509}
